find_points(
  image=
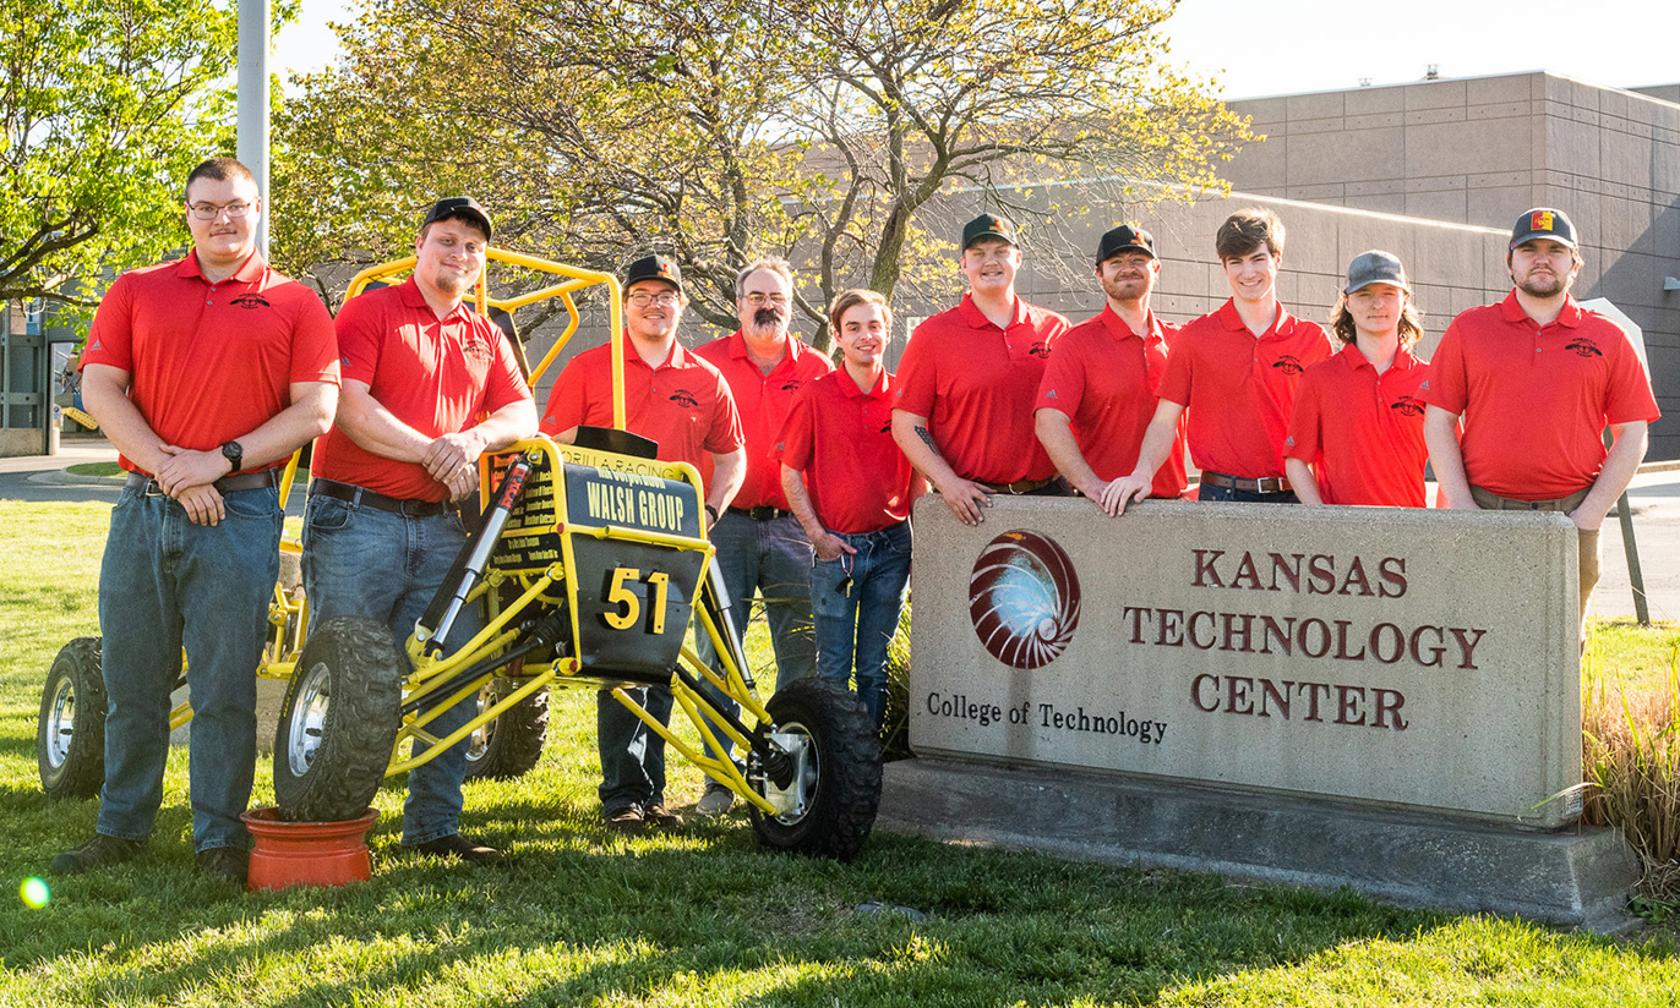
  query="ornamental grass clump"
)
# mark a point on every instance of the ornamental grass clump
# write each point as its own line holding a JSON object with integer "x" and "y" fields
{"x": 1631, "y": 756}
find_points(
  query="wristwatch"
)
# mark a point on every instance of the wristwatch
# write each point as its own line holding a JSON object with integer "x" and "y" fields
{"x": 234, "y": 452}
{"x": 711, "y": 513}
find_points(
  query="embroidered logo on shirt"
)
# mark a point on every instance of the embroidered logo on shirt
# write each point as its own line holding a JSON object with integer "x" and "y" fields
{"x": 1407, "y": 406}
{"x": 1039, "y": 349}
{"x": 477, "y": 347}
{"x": 1288, "y": 364}
{"x": 251, "y": 302}
{"x": 1051, "y": 394}
{"x": 793, "y": 385}
{"x": 1584, "y": 347}
{"x": 685, "y": 399}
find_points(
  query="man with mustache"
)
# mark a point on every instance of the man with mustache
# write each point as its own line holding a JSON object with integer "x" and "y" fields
{"x": 429, "y": 386}
{"x": 760, "y": 544}
{"x": 206, "y": 374}
{"x": 678, "y": 400}
{"x": 1100, "y": 387}
{"x": 963, "y": 412}
{"x": 1536, "y": 379}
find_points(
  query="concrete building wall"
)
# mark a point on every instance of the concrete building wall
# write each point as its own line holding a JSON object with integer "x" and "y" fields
{"x": 1480, "y": 152}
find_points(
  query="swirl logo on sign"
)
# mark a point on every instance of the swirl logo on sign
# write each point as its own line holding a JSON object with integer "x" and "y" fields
{"x": 1024, "y": 599}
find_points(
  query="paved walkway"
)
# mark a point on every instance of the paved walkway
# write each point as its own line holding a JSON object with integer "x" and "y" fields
{"x": 1654, "y": 494}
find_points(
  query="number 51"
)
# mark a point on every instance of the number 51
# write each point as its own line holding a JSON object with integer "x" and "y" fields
{"x": 619, "y": 594}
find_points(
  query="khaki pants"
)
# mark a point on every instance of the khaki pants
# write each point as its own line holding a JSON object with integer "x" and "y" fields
{"x": 1586, "y": 541}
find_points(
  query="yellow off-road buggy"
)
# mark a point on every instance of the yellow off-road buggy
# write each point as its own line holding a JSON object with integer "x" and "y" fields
{"x": 590, "y": 559}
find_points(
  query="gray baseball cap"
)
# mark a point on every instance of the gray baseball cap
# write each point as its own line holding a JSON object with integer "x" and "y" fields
{"x": 1376, "y": 266}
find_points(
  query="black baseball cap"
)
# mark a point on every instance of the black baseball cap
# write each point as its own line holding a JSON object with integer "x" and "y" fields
{"x": 1125, "y": 238}
{"x": 654, "y": 267}
{"x": 988, "y": 226}
{"x": 459, "y": 206}
{"x": 1543, "y": 222}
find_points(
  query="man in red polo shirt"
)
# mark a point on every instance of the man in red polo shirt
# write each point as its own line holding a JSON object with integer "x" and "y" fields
{"x": 1536, "y": 379}
{"x": 681, "y": 402}
{"x": 760, "y": 546}
{"x": 429, "y": 386}
{"x": 206, "y": 374}
{"x": 1099, "y": 389}
{"x": 963, "y": 412}
{"x": 1357, "y": 433}
{"x": 1235, "y": 370}
{"x": 852, "y": 489}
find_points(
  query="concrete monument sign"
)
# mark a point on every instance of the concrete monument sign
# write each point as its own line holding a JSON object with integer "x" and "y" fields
{"x": 1406, "y": 659}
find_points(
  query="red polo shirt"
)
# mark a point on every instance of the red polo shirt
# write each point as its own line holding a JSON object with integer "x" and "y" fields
{"x": 764, "y": 401}
{"x": 840, "y": 438}
{"x": 1105, "y": 378}
{"x": 1239, "y": 390}
{"x": 210, "y": 362}
{"x": 439, "y": 376}
{"x": 683, "y": 404}
{"x": 1535, "y": 399}
{"x": 976, "y": 384}
{"x": 1362, "y": 432}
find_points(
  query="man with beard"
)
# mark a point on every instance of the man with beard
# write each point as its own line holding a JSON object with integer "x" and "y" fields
{"x": 1100, "y": 387}
{"x": 1536, "y": 379}
{"x": 1234, "y": 372}
{"x": 429, "y": 386}
{"x": 680, "y": 402}
{"x": 760, "y": 545}
{"x": 206, "y": 373}
{"x": 963, "y": 413}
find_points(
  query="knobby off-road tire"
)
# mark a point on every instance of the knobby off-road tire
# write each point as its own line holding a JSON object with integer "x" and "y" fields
{"x": 509, "y": 746}
{"x": 339, "y": 721}
{"x": 843, "y": 776}
{"x": 70, "y": 733}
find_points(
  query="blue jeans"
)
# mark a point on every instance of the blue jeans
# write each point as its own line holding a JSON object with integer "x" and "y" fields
{"x": 1205, "y": 492}
{"x": 773, "y": 558}
{"x": 632, "y": 755}
{"x": 166, "y": 583}
{"x": 361, "y": 561}
{"x": 855, "y": 626}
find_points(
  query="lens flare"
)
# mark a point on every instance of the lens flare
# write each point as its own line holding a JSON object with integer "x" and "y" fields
{"x": 34, "y": 892}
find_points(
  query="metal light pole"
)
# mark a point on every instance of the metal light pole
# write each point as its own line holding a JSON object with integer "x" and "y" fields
{"x": 253, "y": 102}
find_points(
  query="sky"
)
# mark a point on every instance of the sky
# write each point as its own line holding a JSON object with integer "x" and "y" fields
{"x": 1288, "y": 46}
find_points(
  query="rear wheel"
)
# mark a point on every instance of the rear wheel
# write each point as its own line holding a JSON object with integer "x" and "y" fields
{"x": 339, "y": 721}
{"x": 70, "y": 734}
{"x": 830, "y": 802}
{"x": 510, "y": 745}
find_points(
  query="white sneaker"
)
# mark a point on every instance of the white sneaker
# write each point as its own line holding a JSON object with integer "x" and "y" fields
{"x": 715, "y": 801}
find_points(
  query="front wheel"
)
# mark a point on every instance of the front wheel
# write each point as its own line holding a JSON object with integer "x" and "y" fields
{"x": 339, "y": 721}
{"x": 836, "y": 786}
{"x": 70, "y": 734}
{"x": 509, "y": 745}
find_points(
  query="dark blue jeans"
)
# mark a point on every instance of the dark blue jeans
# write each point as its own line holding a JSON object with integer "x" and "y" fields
{"x": 361, "y": 561}
{"x": 166, "y": 583}
{"x": 772, "y": 558}
{"x": 1212, "y": 493}
{"x": 632, "y": 754}
{"x": 857, "y": 599}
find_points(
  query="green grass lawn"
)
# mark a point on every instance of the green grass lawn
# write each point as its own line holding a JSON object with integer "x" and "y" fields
{"x": 699, "y": 917}
{"x": 95, "y": 469}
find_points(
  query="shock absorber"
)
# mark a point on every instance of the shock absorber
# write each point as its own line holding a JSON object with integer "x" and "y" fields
{"x": 433, "y": 627}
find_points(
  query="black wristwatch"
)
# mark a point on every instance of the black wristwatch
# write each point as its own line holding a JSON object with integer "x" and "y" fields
{"x": 711, "y": 513}
{"x": 235, "y": 454}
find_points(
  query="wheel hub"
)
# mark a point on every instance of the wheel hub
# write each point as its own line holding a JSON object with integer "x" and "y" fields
{"x": 793, "y": 802}
{"x": 61, "y": 724}
{"x": 309, "y": 718}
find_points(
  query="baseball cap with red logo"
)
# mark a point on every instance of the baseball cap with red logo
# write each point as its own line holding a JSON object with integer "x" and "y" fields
{"x": 988, "y": 226}
{"x": 1543, "y": 222}
{"x": 654, "y": 267}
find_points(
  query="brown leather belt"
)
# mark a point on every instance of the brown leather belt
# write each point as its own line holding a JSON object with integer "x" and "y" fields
{"x": 227, "y": 484}
{"x": 1262, "y": 484}
{"x": 363, "y": 496}
{"x": 761, "y": 512}
{"x": 1020, "y": 487}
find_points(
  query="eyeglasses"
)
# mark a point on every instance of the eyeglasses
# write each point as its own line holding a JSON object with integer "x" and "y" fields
{"x": 210, "y": 211}
{"x": 758, "y": 300}
{"x": 641, "y": 299}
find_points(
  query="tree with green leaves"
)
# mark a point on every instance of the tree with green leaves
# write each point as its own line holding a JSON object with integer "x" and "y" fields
{"x": 827, "y": 131}
{"x": 105, "y": 105}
